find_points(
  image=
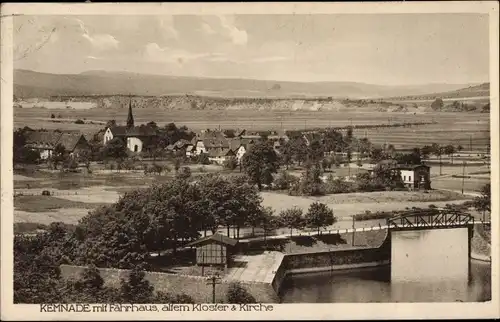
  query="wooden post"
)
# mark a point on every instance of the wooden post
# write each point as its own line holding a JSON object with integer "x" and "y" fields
{"x": 353, "y": 230}
{"x": 463, "y": 177}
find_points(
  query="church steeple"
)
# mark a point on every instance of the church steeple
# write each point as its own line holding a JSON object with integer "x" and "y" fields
{"x": 130, "y": 118}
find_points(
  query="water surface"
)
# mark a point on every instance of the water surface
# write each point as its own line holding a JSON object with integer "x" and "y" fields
{"x": 426, "y": 266}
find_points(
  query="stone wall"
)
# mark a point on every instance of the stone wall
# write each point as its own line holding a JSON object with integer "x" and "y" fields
{"x": 194, "y": 286}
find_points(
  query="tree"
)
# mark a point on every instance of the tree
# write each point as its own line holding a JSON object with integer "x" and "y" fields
{"x": 299, "y": 149}
{"x": 449, "y": 150}
{"x": 315, "y": 151}
{"x": 310, "y": 183}
{"x": 333, "y": 141}
{"x": 292, "y": 218}
{"x": 184, "y": 173}
{"x": 268, "y": 221}
{"x": 425, "y": 151}
{"x": 483, "y": 202}
{"x": 136, "y": 289}
{"x": 236, "y": 294}
{"x": 115, "y": 149}
{"x": 58, "y": 155}
{"x": 376, "y": 154}
{"x": 231, "y": 163}
{"x": 285, "y": 181}
{"x": 52, "y": 116}
{"x": 203, "y": 158}
{"x": 36, "y": 274}
{"x": 286, "y": 154}
{"x": 260, "y": 163}
{"x": 319, "y": 215}
{"x": 437, "y": 104}
{"x": 348, "y": 147}
{"x": 386, "y": 178}
{"x": 85, "y": 156}
{"x": 437, "y": 150}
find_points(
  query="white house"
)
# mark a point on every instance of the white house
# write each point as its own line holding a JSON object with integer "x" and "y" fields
{"x": 240, "y": 152}
{"x": 220, "y": 156}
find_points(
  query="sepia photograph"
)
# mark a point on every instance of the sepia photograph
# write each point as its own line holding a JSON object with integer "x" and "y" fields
{"x": 192, "y": 161}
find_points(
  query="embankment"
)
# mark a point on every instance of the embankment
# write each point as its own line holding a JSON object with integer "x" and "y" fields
{"x": 194, "y": 286}
{"x": 331, "y": 260}
{"x": 480, "y": 245}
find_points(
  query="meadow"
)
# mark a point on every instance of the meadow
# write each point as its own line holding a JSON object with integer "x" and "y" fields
{"x": 471, "y": 130}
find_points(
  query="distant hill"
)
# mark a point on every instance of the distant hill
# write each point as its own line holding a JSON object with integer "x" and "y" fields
{"x": 472, "y": 91}
{"x": 30, "y": 84}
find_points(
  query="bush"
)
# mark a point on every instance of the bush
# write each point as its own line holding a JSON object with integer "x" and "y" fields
{"x": 285, "y": 181}
{"x": 338, "y": 185}
{"x": 236, "y": 294}
{"x": 203, "y": 159}
{"x": 231, "y": 163}
{"x": 79, "y": 122}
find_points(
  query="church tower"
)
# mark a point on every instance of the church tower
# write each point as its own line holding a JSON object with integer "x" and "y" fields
{"x": 130, "y": 118}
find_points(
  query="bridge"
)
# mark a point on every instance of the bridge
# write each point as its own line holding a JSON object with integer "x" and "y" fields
{"x": 430, "y": 219}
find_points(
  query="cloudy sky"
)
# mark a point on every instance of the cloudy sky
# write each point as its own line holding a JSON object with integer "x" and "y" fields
{"x": 378, "y": 49}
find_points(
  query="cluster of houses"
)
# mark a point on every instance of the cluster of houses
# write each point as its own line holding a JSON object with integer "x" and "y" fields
{"x": 214, "y": 143}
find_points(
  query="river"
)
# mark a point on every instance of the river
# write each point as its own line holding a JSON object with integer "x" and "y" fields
{"x": 426, "y": 266}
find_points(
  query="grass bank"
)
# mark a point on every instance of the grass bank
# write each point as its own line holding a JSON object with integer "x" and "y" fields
{"x": 47, "y": 203}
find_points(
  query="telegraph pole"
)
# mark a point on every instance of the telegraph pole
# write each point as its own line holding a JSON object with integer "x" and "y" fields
{"x": 214, "y": 279}
{"x": 353, "y": 231}
{"x": 463, "y": 177}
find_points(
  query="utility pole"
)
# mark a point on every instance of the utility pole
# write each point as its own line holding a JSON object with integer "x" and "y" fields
{"x": 214, "y": 279}
{"x": 463, "y": 177}
{"x": 353, "y": 231}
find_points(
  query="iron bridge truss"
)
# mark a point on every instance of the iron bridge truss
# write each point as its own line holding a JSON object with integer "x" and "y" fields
{"x": 430, "y": 219}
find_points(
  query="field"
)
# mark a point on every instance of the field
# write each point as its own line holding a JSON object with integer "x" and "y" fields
{"x": 346, "y": 205}
{"x": 471, "y": 130}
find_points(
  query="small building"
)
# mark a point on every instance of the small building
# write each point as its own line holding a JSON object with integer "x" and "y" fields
{"x": 416, "y": 176}
{"x": 214, "y": 250}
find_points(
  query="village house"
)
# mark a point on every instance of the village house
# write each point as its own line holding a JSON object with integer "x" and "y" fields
{"x": 209, "y": 141}
{"x": 135, "y": 137}
{"x": 45, "y": 142}
{"x": 414, "y": 176}
{"x": 220, "y": 156}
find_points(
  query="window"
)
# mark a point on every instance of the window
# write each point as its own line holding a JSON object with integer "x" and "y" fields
{"x": 409, "y": 178}
{"x": 404, "y": 178}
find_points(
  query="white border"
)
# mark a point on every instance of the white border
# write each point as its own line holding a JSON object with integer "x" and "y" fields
{"x": 281, "y": 311}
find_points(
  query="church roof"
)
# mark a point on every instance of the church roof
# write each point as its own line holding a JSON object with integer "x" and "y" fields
{"x": 142, "y": 130}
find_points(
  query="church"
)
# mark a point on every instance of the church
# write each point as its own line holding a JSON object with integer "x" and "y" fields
{"x": 136, "y": 137}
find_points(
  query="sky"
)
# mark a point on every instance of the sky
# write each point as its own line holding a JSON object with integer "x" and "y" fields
{"x": 385, "y": 49}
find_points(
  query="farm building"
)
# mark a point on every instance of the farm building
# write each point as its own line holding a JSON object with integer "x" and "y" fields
{"x": 214, "y": 250}
{"x": 220, "y": 156}
{"x": 136, "y": 137}
{"x": 45, "y": 142}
